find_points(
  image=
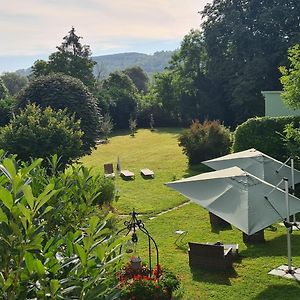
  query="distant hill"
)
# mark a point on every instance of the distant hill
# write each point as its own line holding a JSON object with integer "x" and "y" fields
{"x": 151, "y": 64}
{"x": 106, "y": 64}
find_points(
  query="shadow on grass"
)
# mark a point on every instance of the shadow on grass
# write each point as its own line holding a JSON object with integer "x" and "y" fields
{"x": 172, "y": 130}
{"x": 283, "y": 291}
{"x": 274, "y": 247}
{"x": 218, "y": 229}
{"x": 213, "y": 276}
{"x": 196, "y": 169}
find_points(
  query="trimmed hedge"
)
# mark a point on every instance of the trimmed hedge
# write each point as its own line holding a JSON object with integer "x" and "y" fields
{"x": 261, "y": 133}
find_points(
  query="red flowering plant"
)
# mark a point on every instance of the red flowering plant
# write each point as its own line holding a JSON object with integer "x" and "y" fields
{"x": 140, "y": 284}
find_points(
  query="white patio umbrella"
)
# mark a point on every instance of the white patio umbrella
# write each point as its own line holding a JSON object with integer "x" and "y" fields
{"x": 257, "y": 163}
{"x": 238, "y": 197}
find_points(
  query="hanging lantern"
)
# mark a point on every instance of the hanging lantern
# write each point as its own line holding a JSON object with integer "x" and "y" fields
{"x": 130, "y": 247}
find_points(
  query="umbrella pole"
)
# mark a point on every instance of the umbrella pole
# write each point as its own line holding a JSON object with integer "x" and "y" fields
{"x": 293, "y": 183}
{"x": 288, "y": 227}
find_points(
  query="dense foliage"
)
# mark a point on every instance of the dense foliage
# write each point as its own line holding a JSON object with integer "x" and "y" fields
{"x": 138, "y": 77}
{"x": 3, "y": 90}
{"x": 71, "y": 59}
{"x": 118, "y": 97}
{"x": 37, "y": 133}
{"x": 204, "y": 141}
{"x": 246, "y": 42}
{"x": 6, "y": 109}
{"x": 220, "y": 70}
{"x": 264, "y": 134}
{"x": 59, "y": 92}
{"x": 14, "y": 82}
{"x": 42, "y": 262}
{"x": 290, "y": 78}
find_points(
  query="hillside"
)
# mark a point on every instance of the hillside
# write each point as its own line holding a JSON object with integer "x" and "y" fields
{"x": 110, "y": 63}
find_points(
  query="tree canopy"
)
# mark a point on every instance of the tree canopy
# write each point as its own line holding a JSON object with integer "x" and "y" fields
{"x": 118, "y": 96}
{"x": 290, "y": 78}
{"x": 246, "y": 42}
{"x": 139, "y": 78}
{"x": 72, "y": 58}
{"x": 59, "y": 92}
{"x": 219, "y": 71}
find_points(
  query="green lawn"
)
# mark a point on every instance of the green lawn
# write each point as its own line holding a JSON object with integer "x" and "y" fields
{"x": 160, "y": 152}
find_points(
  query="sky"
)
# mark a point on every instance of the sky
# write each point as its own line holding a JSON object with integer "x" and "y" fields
{"x": 31, "y": 29}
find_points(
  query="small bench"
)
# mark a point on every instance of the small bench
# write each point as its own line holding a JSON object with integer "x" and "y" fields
{"x": 125, "y": 174}
{"x": 210, "y": 256}
{"x": 147, "y": 173}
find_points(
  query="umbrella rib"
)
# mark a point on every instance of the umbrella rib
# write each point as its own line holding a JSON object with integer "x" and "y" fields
{"x": 274, "y": 208}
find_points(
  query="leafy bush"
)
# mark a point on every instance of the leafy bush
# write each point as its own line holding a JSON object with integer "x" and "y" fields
{"x": 38, "y": 133}
{"x": 80, "y": 191}
{"x": 61, "y": 91}
{"x": 38, "y": 263}
{"x": 263, "y": 135}
{"x": 205, "y": 141}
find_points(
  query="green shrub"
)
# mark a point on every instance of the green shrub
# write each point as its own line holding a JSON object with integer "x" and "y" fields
{"x": 81, "y": 191}
{"x": 263, "y": 134}
{"x": 37, "y": 133}
{"x": 39, "y": 261}
{"x": 204, "y": 141}
{"x": 65, "y": 92}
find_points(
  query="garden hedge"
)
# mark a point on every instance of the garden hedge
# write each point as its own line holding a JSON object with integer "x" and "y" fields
{"x": 262, "y": 133}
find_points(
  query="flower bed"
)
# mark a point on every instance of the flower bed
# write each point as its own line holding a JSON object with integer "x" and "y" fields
{"x": 139, "y": 284}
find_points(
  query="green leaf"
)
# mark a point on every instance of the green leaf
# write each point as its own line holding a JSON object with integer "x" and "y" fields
{"x": 94, "y": 220}
{"x": 29, "y": 261}
{"x": 39, "y": 267}
{"x": 3, "y": 216}
{"x": 5, "y": 172}
{"x": 25, "y": 211}
{"x": 54, "y": 286}
{"x": 81, "y": 253}
{"x": 48, "y": 244}
{"x": 34, "y": 164}
{"x": 69, "y": 247}
{"x": 6, "y": 197}
{"x": 45, "y": 196}
{"x": 8, "y": 163}
{"x": 28, "y": 195}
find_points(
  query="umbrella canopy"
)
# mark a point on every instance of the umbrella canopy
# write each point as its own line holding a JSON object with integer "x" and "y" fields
{"x": 257, "y": 163}
{"x": 238, "y": 197}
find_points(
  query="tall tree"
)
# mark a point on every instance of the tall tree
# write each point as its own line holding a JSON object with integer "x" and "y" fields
{"x": 139, "y": 78}
{"x": 118, "y": 96}
{"x": 72, "y": 58}
{"x": 184, "y": 90}
{"x": 246, "y": 42}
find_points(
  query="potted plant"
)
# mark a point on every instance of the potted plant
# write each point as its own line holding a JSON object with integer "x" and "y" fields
{"x": 140, "y": 284}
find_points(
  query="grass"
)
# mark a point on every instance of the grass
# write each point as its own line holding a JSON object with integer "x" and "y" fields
{"x": 157, "y": 151}
{"x": 160, "y": 152}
